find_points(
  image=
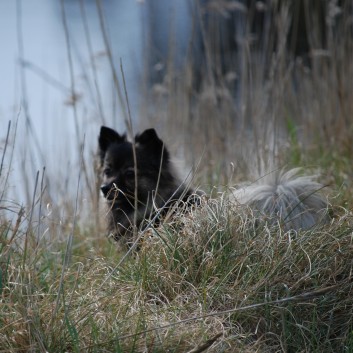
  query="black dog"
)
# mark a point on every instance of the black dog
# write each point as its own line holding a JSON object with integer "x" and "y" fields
{"x": 139, "y": 182}
{"x": 137, "y": 196}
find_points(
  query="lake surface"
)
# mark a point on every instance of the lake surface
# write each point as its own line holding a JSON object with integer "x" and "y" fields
{"x": 37, "y": 79}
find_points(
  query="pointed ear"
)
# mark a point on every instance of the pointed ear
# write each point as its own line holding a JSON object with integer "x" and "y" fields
{"x": 150, "y": 140}
{"x": 108, "y": 136}
{"x": 147, "y": 137}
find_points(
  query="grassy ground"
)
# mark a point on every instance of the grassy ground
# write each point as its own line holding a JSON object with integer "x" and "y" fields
{"x": 215, "y": 278}
{"x": 214, "y": 273}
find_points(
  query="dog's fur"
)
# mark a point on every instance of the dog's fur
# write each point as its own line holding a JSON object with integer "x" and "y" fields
{"x": 157, "y": 186}
{"x": 286, "y": 196}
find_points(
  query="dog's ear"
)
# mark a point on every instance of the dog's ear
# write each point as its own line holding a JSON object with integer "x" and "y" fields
{"x": 149, "y": 137}
{"x": 108, "y": 136}
{"x": 150, "y": 140}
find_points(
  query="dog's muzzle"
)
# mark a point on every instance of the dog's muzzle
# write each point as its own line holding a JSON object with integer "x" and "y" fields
{"x": 107, "y": 190}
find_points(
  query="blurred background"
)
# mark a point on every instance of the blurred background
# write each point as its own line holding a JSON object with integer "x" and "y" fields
{"x": 233, "y": 87}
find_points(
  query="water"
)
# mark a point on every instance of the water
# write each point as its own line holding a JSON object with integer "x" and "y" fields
{"x": 35, "y": 86}
{"x": 37, "y": 82}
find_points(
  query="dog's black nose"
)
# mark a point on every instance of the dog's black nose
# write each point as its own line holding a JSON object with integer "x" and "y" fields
{"x": 105, "y": 189}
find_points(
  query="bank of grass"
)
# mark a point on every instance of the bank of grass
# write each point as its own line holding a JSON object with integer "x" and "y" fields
{"x": 213, "y": 278}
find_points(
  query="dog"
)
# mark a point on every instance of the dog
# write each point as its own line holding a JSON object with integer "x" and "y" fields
{"x": 141, "y": 186}
{"x": 139, "y": 181}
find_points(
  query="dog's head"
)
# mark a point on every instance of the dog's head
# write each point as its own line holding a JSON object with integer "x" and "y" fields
{"x": 121, "y": 169}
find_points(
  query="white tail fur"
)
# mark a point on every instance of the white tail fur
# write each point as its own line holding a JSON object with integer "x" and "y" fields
{"x": 286, "y": 197}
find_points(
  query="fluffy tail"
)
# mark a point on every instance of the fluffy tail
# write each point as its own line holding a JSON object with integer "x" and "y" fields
{"x": 286, "y": 197}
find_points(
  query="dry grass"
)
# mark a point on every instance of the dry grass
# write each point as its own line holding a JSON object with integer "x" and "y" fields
{"x": 216, "y": 276}
{"x": 284, "y": 110}
{"x": 214, "y": 271}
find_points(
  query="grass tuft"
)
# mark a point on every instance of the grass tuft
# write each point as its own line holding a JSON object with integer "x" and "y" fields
{"x": 215, "y": 272}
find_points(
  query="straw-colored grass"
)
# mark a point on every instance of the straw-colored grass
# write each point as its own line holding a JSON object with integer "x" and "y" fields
{"x": 215, "y": 271}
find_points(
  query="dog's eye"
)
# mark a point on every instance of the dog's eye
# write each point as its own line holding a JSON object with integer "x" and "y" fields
{"x": 129, "y": 174}
{"x": 107, "y": 172}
